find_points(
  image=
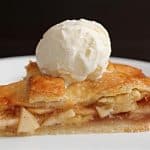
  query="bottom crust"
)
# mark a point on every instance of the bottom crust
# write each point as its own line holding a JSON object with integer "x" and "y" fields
{"x": 103, "y": 126}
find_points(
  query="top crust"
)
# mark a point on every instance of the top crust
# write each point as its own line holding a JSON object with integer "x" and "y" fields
{"x": 46, "y": 88}
{"x": 125, "y": 69}
{"x": 39, "y": 90}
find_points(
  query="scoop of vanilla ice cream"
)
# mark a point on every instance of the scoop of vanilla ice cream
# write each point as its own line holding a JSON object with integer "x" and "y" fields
{"x": 75, "y": 50}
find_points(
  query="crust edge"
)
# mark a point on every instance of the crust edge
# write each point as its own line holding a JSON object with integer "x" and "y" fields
{"x": 106, "y": 126}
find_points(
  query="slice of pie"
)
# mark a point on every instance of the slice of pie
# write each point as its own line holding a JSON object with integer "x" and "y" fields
{"x": 41, "y": 104}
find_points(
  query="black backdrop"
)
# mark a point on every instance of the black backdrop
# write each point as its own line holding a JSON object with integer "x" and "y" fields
{"x": 22, "y": 23}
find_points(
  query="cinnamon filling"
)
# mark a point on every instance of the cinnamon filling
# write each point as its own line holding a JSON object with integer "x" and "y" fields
{"x": 75, "y": 115}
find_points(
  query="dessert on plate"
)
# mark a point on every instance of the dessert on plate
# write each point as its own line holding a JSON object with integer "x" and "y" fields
{"x": 74, "y": 88}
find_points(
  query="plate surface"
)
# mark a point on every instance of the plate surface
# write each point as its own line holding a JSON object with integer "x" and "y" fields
{"x": 12, "y": 69}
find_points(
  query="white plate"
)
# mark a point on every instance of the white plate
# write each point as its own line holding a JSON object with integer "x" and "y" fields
{"x": 12, "y": 69}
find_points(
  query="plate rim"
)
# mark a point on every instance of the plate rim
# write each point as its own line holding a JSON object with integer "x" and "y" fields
{"x": 111, "y": 58}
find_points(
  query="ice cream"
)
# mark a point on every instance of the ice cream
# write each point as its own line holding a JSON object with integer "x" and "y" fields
{"x": 74, "y": 50}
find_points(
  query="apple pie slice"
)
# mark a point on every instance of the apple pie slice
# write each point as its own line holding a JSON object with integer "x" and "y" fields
{"x": 41, "y": 104}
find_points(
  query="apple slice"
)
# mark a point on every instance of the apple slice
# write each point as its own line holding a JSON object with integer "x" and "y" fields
{"x": 103, "y": 112}
{"x": 62, "y": 117}
{"x": 27, "y": 123}
{"x": 41, "y": 111}
{"x": 8, "y": 122}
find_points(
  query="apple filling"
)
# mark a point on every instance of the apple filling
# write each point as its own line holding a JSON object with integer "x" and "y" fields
{"x": 134, "y": 105}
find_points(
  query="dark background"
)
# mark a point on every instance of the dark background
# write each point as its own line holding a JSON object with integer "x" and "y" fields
{"x": 22, "y": 23}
